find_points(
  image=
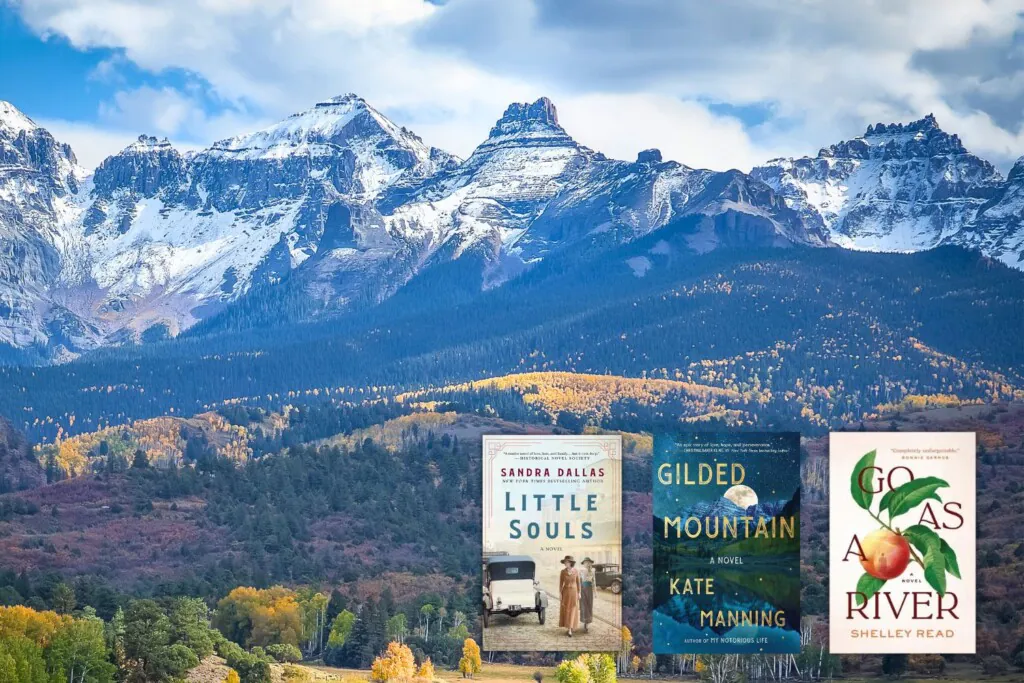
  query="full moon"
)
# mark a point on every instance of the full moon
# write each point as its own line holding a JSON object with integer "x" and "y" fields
{"x": 741, "y": 495}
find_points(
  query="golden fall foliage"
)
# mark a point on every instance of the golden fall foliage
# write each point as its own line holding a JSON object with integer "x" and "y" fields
{"x": 391, "y": 433}
{"x": 39, "y": 627}
{"x": 470, "y": 663}
{"x": 556, "y": 392}
{"x": 426, "y": 670}
{"x": 162, "y": 439}
{"x": 271, "y": 615}
{"x": 396, "y": 664}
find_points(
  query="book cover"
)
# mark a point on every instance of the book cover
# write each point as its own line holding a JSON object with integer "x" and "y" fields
{"x": 726, "y": 543}
{"x": 902, "y": 542}
{"x": 552, "y": 543}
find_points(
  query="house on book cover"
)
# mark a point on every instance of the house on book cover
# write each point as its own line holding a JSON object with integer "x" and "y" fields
{"x": 727, "y": 543}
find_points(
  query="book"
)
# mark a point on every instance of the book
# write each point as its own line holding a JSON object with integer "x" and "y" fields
{"x": 902, "y": 542}
{"x": 552, "y": 543}
{"x": 726, "y": 543}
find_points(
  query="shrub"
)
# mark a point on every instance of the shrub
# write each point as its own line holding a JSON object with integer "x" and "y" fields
{"x": 586, "y": 668}
{"x": 181, "y": 657}
{"x": 296, "y": 674}
{"x": 601, "y": 667}
{"x": 572, "y": 671}
{"x": 251, "y": 667}
{"x": 285, "y": 653}
{"x": 426, "y": 671}
{"x": 470, "y": 663}
{"x": 993, "y": 665}
{"x": 397, "y": 663}
{"x": 927, "y": 664}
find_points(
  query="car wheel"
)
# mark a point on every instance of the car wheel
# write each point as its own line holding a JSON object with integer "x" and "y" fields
{"x": 616, "y": 587}
{"x": 542, "y": 614}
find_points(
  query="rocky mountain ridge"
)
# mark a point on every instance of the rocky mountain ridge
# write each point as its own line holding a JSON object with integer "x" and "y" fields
{"x": 901, "y": 187}
{"x": 352, "y": 206}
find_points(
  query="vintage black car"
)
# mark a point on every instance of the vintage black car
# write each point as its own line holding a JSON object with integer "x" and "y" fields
{"x": 608, "y": 577}
{"x": 511, "y": 587}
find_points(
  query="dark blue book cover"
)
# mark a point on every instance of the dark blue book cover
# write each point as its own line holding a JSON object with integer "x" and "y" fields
{"x": 727, "y": 543}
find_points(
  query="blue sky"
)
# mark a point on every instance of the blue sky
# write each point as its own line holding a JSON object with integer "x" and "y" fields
{"x": 719, "y": 85}
{"x": 46, "y": 76}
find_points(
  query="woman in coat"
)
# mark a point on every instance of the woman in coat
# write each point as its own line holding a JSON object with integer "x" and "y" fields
{"x": 569, "y": 588}
{"x": 587, "y": 582}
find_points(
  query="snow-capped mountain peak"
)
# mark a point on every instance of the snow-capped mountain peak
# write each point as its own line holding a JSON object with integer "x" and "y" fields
{"x": 148, "y": 143}
{"x": 338, "y": 121}
{"x": 898, "y": 187}
{"x": 539, "y": 118}
{"x": 523, "y": 124}
{"x": 998, "y": 227}
{"x": 918, "y": 139}
{"x": 13, "y": 120}
{"x": 351, "y": 206}
{"x": 527, "y": 153}
{"x": 526, "y": 160}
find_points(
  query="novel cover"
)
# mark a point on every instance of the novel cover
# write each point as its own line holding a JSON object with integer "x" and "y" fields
{"x": 727, "y": 543}
{"x": 901, "y": 542}
{"x": 552, "y": 543}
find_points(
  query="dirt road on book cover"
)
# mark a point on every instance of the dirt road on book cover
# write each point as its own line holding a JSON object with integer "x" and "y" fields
{"x": 525, "y": 633}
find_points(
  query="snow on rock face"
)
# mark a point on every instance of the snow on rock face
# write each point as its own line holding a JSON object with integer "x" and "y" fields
{"x": 494, "y": 196}
{"x": 13, "y": 121}
{"x": 374, "y": 152}
{"x": 530, "y": 189}
{"x": 154, "y": 237}
{"x": 146, "y": 167}
{"x": 357, "y": 205}
{"x": 39, "y": 179}
{"x": 203, "y": 230}
{"x": 527, "y": 158}
{"x": 899, "y": 187}
{"x": 998, "y": 227}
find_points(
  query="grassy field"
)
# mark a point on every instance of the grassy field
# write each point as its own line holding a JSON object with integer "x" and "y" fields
{"x": 501, "y": 673}
{"x": 492, "y": 673}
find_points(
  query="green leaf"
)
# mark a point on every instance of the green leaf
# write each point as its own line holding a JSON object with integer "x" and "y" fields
{"x": 860, "y": 496}
{"x": 913, "y": 493}
{"x": 922, "y": 538}
{"x": 935, "y": 569}
{"x": 952, "y": 566}
{"x": 884, "y": 504}
{"x": 867, "y": 586}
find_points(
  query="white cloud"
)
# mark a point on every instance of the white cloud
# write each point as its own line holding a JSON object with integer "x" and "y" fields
{"x": 171, "y": 113}
{"x": 162, "y": 112}
{"x": 624, "y": 76}
{"x": 620, "y": 125}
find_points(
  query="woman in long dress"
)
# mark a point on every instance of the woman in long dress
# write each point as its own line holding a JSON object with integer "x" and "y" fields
{"x": 587, "y": 579}
{"x": 569, "y": 588}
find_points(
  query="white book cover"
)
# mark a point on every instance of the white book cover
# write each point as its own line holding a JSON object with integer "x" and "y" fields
{"x": 552, "y": 543}
{"x": 902, "y": 520}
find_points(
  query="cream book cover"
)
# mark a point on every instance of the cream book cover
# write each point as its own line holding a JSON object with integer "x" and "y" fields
{"x": 902, "y": 551}
{"x": 552, "y": 543}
